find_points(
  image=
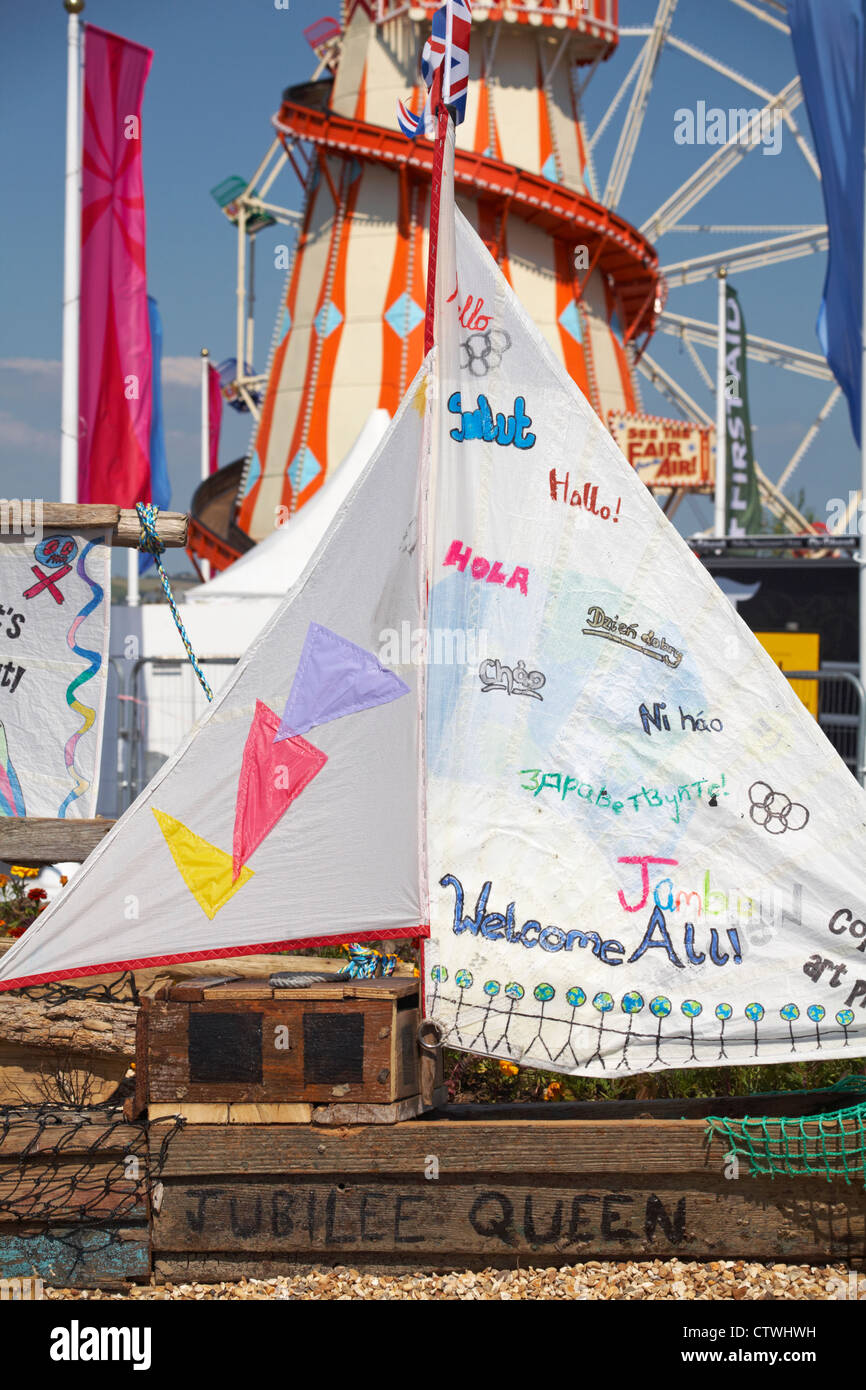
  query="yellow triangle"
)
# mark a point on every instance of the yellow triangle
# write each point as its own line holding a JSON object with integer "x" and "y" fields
{"x": 206, "y": 870}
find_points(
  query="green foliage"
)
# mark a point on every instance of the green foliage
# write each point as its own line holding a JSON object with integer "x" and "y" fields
{"x": 483, "y": 1080}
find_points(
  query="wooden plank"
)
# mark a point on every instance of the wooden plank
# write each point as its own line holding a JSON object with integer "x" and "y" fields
{"x": 28, "y": 1136}
{"x": 522, "y": 1147}
{"x": 237, "y": 990}
{"x": 78, "y": 1257}
{"x": 407, "y": 1109}
{"x": 171, "y": 527}
{"x": 639, "y": 1219}
{"x": 235, "y": 1114}
{"x": 44, "y": 840}
{"x": 192, "y": 991}
{"x": 69, "y": 1190}
{"x": 281, "y": 1114}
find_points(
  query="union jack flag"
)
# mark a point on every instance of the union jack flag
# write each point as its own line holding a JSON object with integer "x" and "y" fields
{"x": 448, "y": 48}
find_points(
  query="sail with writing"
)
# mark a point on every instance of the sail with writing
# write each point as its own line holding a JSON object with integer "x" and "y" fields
{"x": 253, "y": 837}
{"x": 643, "y": 852}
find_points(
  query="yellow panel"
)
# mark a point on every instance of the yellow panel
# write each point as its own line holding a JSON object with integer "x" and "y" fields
{"x": 796, "y": 651}
{"x": 206, "y": 870}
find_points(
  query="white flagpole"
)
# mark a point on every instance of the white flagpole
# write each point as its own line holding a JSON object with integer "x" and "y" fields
{"x": 69, "y": 413}
{"x": 205, "y": 435}
{"x": 721, "y": 496}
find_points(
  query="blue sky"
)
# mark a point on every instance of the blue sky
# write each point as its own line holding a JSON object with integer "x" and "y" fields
{"x": 218, "y": 72}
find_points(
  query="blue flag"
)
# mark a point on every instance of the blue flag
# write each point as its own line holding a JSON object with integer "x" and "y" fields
{"x": 160, "y": 487}
{"x": 829, "y": 47}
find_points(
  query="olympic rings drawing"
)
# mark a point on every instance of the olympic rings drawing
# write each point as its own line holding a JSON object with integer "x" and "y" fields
{"x": 775, "y": 811}
{"x": 495, "y": 343}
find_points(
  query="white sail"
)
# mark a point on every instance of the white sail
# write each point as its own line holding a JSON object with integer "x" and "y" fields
{"x": 643, "y": 852}
{"x": 241, "y": 843}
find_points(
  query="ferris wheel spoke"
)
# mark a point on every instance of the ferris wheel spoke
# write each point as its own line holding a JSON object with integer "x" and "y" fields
{"x": 617, "y": 98}
{"x": 793, "y": 359}
{"x": 754, "y": 9}
{"x": 671, "y": 390}
{"x": 719, "y": 165}
{"x": 753, "y": 256}
{"x": 630, "y": 133}
{"x": 701, "y": 57}
{"x": 809, "y": 436}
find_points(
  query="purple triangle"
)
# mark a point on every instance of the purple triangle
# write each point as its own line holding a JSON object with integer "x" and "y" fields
{"x": 334, "y": 677}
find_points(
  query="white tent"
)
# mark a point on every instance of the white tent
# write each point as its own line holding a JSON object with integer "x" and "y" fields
{"x": 222, "y": 617}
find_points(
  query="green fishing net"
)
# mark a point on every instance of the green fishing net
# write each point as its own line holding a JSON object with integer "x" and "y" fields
{"x": 830, "y": 1145}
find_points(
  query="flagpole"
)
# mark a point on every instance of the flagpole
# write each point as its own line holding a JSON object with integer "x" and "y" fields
{"x": 721, "y": 494}
{"x": 205, "y": 435}
{"x": 69, "y": 411}
{"x": 440, "y": 113}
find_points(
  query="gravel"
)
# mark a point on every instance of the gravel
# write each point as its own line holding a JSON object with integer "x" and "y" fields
{"x": 656, "y": 1280}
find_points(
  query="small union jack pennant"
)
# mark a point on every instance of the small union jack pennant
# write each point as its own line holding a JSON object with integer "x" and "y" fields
{"x": 448, "y": 47}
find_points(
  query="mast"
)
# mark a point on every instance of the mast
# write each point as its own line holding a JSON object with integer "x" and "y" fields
{"x": 720, "y": 518}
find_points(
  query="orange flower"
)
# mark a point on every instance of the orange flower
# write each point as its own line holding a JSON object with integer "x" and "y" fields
{"x": 509, "y": 1068}
{"x": 63, "y": 880}
{"x": 553, "y": 1091}
{"x": 24, "y": 871}
{"x": 4, "y": 879}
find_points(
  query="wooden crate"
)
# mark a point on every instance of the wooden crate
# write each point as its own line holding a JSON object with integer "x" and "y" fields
{"x": 504, "y": 1185}
{"x": 246, "y": 1044}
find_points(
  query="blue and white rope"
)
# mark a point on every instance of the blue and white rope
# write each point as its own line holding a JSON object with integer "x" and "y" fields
{"x": 150, "y": 543}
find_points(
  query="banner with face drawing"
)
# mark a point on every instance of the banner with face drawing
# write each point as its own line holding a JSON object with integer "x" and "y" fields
{"x": 642, "y": 850}
{"x": 54, "y": 614}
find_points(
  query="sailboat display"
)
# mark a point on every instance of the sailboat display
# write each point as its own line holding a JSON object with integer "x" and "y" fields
{"x": 506, "y": 710}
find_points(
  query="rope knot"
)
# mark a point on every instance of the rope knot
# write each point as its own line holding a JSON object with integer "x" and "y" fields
{"x": 148, "y": 539}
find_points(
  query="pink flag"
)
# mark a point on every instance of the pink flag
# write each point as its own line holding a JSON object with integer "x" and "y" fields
{"x": 271, "y": 778}
{"x": 215, "y": 413}
{"x": 115, "y": 364}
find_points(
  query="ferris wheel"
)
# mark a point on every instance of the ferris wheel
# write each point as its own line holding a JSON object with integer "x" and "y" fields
{"x": 347, "y": 336}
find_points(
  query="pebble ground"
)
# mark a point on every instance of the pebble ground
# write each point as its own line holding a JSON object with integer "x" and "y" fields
{"x": 656, "y": 1281}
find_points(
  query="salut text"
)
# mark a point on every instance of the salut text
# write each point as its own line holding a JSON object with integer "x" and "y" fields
{"x": 481, "y": 424}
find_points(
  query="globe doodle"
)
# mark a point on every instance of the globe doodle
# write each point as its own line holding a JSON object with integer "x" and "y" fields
{"x": 544, "y": 993}
{"x": 660, "y": 1007}
{"x": 691, "y": 1008}
{"x": 755, "y": 1012}
{"x": 463, "y": 979}
{"x": 790, "y": 1013}
{"x": 724, "y": 1012}
{"x": 845, "y": 1017}
{"x": 439, "y": 974}
{"x": 603, "y": 1002}
{"x": 514, "y": 991}
{"x": 492, "y": 988}
{"x": 576, "y": 997}
{"x": 632, "y": 1003}
{"x": 816, "y": 1012}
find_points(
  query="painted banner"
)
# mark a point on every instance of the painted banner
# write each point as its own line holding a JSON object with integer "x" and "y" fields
{"x": 666, "y": 454}
{"x": 115, "y": 350}
{"x": 54, "y": 626}
{"x": 643, "y": 852}
{"x": 743, "y": 506}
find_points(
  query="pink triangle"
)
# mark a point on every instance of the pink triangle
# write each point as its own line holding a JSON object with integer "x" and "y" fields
{"x": 272, "y": 775}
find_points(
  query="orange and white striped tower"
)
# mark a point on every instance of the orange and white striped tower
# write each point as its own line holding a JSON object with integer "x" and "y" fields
{"x": 352, "y": 323}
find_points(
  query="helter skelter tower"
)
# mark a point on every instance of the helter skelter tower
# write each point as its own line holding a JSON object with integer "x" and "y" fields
{"x": 351, "y": 332}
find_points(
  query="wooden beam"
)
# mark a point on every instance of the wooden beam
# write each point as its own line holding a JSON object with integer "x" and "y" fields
{"x": 171, "y": 526}
{"x": 43, "y": 840}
